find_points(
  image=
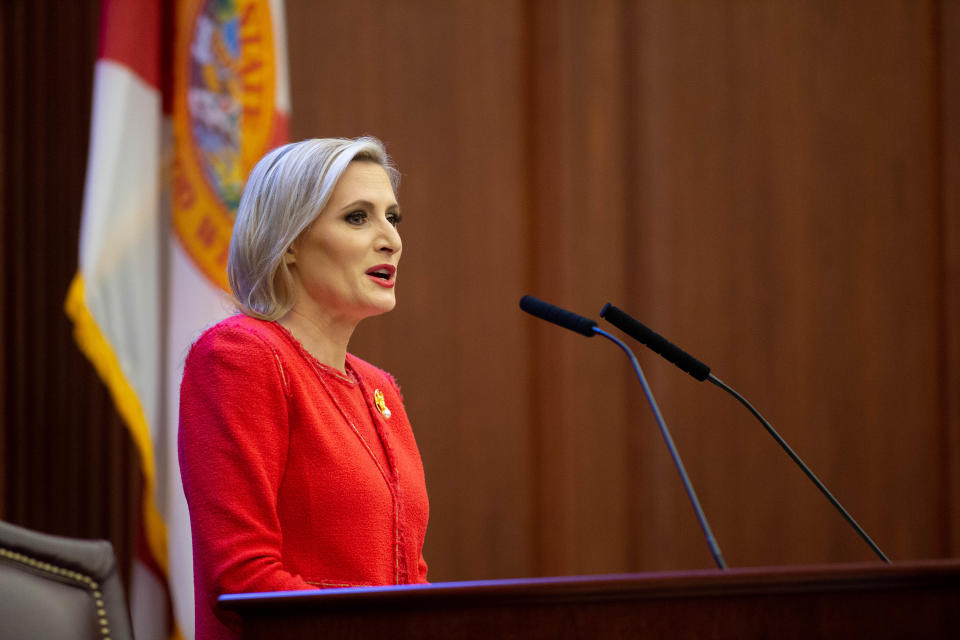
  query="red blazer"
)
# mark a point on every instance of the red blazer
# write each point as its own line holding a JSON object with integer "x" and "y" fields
{"x": 290, "y": 484}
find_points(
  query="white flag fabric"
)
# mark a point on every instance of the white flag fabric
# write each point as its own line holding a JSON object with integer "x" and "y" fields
{"x": 188, "y": 95}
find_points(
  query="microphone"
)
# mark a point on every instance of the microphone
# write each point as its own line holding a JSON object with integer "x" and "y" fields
{"x": 588, "y": 327}
{"x": 701, "y": 372}
{"x": 655, "y": 341}
{"x": 558, "y": 316}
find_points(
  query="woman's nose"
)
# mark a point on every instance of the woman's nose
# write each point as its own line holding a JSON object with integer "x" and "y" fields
{"x": 389, "y": 241}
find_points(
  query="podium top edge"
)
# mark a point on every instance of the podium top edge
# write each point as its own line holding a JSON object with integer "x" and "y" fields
{"x": 702, "y": 583}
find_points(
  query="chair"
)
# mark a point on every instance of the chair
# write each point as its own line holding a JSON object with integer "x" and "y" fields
{"x": 56, "y": 588}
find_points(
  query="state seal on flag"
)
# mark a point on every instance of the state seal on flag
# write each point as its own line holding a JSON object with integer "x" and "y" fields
{"x": 224, "y": 86}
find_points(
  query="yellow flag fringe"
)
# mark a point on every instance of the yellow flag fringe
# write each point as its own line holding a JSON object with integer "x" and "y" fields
{"x": 95, "y": 347}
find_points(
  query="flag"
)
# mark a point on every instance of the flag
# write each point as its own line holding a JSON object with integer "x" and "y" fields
{"x": 188, "y": 95}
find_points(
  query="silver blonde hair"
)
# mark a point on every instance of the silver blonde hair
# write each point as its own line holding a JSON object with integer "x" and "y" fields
{"x": 286, "y": 190}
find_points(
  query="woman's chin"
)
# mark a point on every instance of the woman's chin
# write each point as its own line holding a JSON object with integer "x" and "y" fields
{"x": 381, "y": 305}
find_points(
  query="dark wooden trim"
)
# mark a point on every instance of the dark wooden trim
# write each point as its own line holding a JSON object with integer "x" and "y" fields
{"x": 793, "y": 602}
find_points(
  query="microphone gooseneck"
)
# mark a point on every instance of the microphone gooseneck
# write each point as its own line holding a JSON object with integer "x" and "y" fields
{"x": 803, "y": 467}
{"x": 587, "y": 327}
{"x": 701, "y": 372}
{"x": 678, "y": 463}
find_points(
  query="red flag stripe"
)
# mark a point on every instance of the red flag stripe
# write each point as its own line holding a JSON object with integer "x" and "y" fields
{"x": 130, "y": 35}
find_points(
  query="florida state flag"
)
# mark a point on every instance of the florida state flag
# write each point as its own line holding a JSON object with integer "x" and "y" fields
{"x": 188, "y": 95}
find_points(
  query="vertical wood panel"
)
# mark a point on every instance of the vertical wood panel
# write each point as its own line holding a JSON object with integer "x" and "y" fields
{"x": 948, "y": 47}
{"x": 4, "y": 74}
{"x": 576, "y": 250}
{"x": 68, "y": 465}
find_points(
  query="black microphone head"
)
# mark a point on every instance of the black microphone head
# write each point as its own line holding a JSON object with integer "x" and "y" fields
{"x": 558, "y": 316}
{"x": 655, "y": 341}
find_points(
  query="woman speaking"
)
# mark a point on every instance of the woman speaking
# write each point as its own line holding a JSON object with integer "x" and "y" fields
{"x": 298, "y": 462}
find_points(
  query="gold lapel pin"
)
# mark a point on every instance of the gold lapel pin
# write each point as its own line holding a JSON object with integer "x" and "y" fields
{"x": 381, "y": 405}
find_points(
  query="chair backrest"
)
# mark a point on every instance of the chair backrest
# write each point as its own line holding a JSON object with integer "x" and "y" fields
{"x": 53, "y": 587}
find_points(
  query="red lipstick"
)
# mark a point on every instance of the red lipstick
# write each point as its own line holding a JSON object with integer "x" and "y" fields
{"x": 383, "y": 275}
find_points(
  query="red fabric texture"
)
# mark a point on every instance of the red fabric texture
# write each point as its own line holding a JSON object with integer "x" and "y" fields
{"x": 288, "y": 487}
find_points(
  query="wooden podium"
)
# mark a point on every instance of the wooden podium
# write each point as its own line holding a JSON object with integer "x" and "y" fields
{"x": 915, "y": 600}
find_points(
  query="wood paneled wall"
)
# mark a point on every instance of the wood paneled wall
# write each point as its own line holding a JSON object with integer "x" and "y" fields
{"x": 773, "y": 185}
{"x": 768, "y": 184}
{"x": 68, "y": 466}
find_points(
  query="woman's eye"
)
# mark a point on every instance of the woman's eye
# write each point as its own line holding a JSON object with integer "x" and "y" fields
{"x": 356, "y": 217}
{"x": 394, "y": 218}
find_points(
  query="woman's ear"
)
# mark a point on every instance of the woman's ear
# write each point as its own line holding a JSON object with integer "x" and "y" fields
{"x": 289, "y": 257}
